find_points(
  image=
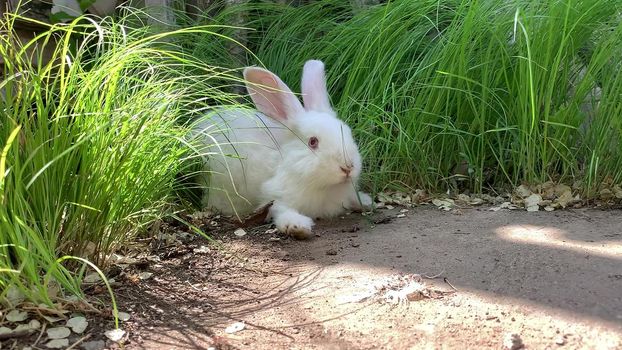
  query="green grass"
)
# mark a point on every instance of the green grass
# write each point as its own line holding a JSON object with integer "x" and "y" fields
{"x": 93, "y": 143}
{"x": 469, "y": 95}
{"x": 482, "y": 94}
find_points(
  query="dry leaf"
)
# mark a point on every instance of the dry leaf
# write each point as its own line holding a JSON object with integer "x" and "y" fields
{"x": 257, "y": 217}
{"x": 235, "y": 327}
{"x": 91, "y": 278}
{"x": 145, "y": 275}
{"x": 522, "y": 191}
{"x": 115, "y": 334}
{"x": 58, "y": 343}
{"x": 532, "y": 202}
{"x": 606, "y": 194}
{"x": 123, "y": 316}
{"x": 444, "y": 204}
{"x": 16, "y": 316}
{"x": 565, "y": 198}
{"x": 14, "y": 296}
{"x": 52, "y": 319}
{"x": 58, "y": 332}
{"x": 239, "y": 232}
{"x": 201, "y": 250}
{"x": 77, "y": 324}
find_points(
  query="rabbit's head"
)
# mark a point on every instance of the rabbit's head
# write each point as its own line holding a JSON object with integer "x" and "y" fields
{"x": 320, "y": 150}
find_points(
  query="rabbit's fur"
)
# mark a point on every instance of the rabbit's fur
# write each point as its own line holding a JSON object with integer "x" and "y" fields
{"x": 304, "y": 159}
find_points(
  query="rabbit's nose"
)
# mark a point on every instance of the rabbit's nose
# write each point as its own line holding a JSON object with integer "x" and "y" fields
{"x": 346, "y": 170}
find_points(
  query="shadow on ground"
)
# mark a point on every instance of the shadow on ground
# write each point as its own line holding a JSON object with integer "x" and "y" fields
{"x": 553, "y": 278}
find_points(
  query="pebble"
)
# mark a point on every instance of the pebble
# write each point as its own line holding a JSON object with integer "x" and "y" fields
{"x": 58, "y": 343}
{"x": 512, "y": 341}
{"x": 93, "y": 345}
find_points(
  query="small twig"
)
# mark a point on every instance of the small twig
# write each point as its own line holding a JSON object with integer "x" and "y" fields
{"x": 193, "y": 287}
{"x": 39, "y": 310}
{"x": 40, "y": 335}
{"x": 79, "y": 341}
{"x": 15, "y": 334}
{"x": 435, "y": 276}
{"x": 447, "y": 281}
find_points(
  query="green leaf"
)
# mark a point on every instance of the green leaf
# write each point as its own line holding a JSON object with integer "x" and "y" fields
{"x": 85, "y": 4}
{"x": 61, "y": 17}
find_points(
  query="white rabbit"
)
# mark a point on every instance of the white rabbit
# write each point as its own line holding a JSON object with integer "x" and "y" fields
{"x": 304, "y": 159}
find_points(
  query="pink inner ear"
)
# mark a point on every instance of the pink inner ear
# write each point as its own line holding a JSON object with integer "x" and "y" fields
{"x": 270, "y": 95}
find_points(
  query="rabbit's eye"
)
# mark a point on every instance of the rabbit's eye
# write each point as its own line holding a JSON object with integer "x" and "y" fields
{"x": 313, "y": 142}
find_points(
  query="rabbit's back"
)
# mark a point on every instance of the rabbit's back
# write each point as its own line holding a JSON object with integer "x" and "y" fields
{"x": 244, "y": 148}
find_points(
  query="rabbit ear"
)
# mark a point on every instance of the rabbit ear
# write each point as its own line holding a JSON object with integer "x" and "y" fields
{"x": 270, "y": 94}
{"x": 314, "y": 93}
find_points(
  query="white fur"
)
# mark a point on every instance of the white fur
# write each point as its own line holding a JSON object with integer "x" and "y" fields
{"x": 258, "y": 157}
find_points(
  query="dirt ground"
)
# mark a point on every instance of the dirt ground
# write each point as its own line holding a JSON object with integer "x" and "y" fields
{"x": 553, "y": 280}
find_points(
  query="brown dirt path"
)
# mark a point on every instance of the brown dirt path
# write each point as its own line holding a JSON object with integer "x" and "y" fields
{"x": 554, "y": 279}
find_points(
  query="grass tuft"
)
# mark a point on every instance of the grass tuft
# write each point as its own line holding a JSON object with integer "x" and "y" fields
{"x": 93, "y": 140}
{"x": 468, "y": 95}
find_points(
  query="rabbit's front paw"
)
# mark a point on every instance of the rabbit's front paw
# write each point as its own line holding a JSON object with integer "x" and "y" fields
{"x": 366, "y": 200}
{"x": 294, "y": 224}
{"x": 361, "y": 202}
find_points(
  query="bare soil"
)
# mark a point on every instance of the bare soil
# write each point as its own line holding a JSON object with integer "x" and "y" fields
{"x": 554, "y": 280}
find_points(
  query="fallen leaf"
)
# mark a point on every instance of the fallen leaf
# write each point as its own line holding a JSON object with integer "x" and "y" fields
{"x": 476, "y": 201}
{"x": 16, "y": 316}
{"x": 565, "y": 198}
{"x": 549, "y": 208}
{"x": 53, "y": 289}
{"x": 58, "y": 332}
{"x": 400, "y": 215}
{"x": 606, "y": 194}
{"x": 444, "y": 204}
{"x": 24, "y": 327}
{"x": 201, "y": 250}
{"x": 508, "y": 205}
{"x": 122, "y": 259}
{"x": 123, "y": 316}
{"x": 532, "y": 202}
{"x": 91, "y": 278}
{"x": 14, "y": 296}
{"x": 561, "y": 189}
{"x": 522, "y": 191}
{"x": 617, "y": 191}
{"x": 52, "y": 319}
{"x": 235, "y": 327}
{"x": 77, "y": 324}
{"x": 115, "y": 334}
{"x": 94, "y": 345}
{"x": 5, "y": 330}
{"x": 463, "y": 197}
{"x": 145, "y": 275}
{"x": 239, "y": 232}
{"x": 257, "y": 217}
{"x": 58, "y": 343}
